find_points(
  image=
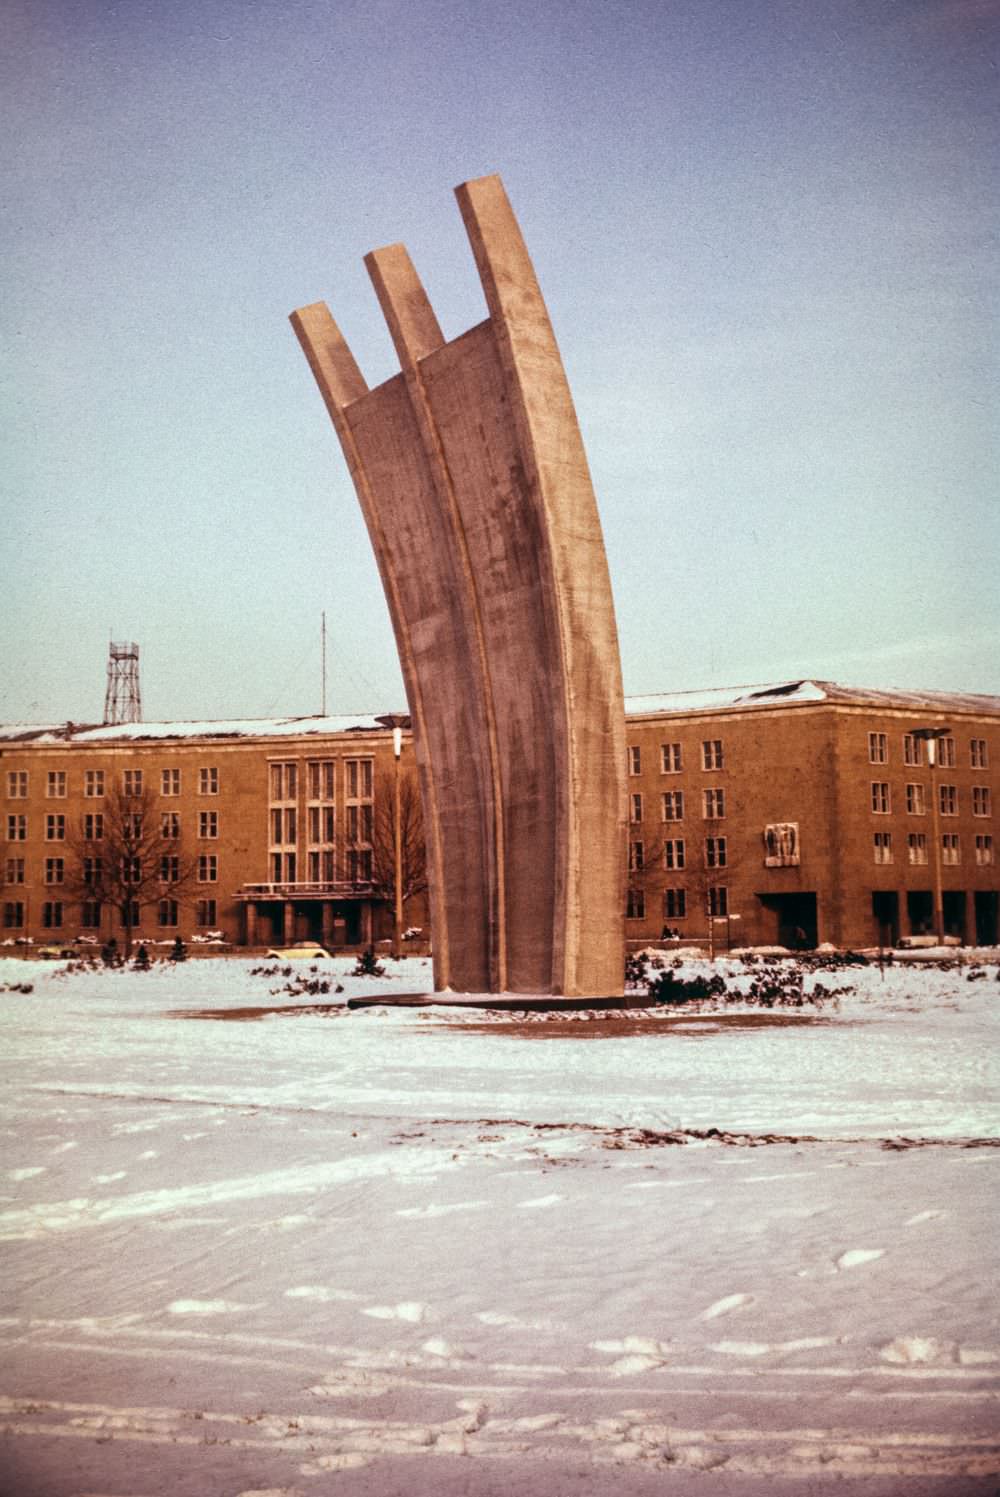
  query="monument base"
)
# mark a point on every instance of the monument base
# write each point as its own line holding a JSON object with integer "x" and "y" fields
{"x": 535, "y": 1003}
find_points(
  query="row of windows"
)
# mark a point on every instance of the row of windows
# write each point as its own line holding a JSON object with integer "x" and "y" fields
{"x": 92, "y": 870}
{"x": 951, "y": 848}
{"x": 320, "y": 866}
{"x": 948, "y": 799}
{"x": 54, "y": 914}
{"x": 95, "y": 782}
{"x": 713, "y": 805}
{"x": 915, "y": 750}
{"x": 675, "y": 903}
{"x": 283, "y": 779}
{"x": 93, "y": 826}
{"x": 674, "y": 853}
{"x": 672, "y": 757}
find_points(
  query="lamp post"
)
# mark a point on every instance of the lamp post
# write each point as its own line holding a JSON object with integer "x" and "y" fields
{"x": 930, "y": 736}
{"x": 397, "y": 842}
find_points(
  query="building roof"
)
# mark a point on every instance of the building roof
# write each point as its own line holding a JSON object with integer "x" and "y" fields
{"x": 259, "y": 727}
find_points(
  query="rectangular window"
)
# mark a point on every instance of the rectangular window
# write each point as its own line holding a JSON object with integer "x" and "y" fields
{"x": 128, "y": 915}
{"x": 52, "y": 914}
{"x": 359, "y": 778}
{"x": 17, "y": 784}
{"x": 673, "y": 853}
{"x": 670, "y": 758}
{"x": 878, "y": 748}
{"x": 880, "y": 798}
{"x": 17, "y": 828}
{"x": 55, "y": 869}
{"x": 951, "y": 852}
{"x": 93, "y": 869}
{"x": 713, "y": 807}
{"x": 977, "y": 754}
{"x": 204, "y": 912}
{"x": 635, "y": 906}
{"x": 718, "y": 900}
{"x": 55, "y": 784}
{"x": 132, "y": 827}
{"x": 635, "y": 807}
{"x": 131, "y": 870}
{"x": 14, "y": 872}
{"x": 916, "y": 847}
{"x": 208, "y": 780}
{"x": 915, "y": 803}
{"x": 170, "y": 868}
{"x": 93, "y": 783}
{"x": 320, "y": 824}
{"x": 948, "y": 800}
{"x": 913, "y": 750}
{"x": 132, "y": 782}
{"x": 360, "y": 823}
{"x": 284, "y": 781}
{"x": 90, "y": 914}
{"x": 981, "y": 800}
{"x": 984, "y": 849}
{"x": 13, "y": 914}
{"x": 674, "y": 904}
{"x": 170, "y": 825}
{"x": 170, "y": 782}
{"x": 946, "y": 753}
{"x": 359, "y": 865}
{"x": 711, "y": 753}
{"x": 715, "y": 852}
{"x": 883, "y": 847}
{"x": 167, "y": 912}
{"x": 636, "y": 856}
{"x": 673, "y": 805}
{"x": 320, "y": 779}
{"x": 634, "y": 759}
{"x": 93, "y": 826}
{"x": 208, "y": 823}
{"x": 208, "y": 868}
{"x": 55, "y": 827}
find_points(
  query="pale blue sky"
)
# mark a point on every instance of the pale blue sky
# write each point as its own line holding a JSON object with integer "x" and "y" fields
{"x": 766, "y": 232}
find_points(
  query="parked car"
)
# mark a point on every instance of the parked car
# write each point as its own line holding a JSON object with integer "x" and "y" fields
{"x": 304, "y": 951}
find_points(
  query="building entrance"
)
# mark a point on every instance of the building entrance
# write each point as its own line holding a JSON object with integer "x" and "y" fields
{"x": 920, "y": 912}
{"x": 953, "y": 913}
{"x": 986, "y": 902}
{"x": 793, "y": 920}
{"x": 885, "y": 913}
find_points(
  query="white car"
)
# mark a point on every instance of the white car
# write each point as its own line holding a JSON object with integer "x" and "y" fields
{"x": 306, "y": 951}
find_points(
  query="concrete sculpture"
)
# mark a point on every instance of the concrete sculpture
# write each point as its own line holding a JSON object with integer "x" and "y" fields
{"x": 471, "y": 474}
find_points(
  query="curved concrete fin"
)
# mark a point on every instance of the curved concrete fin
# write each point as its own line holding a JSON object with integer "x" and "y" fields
{"x": 405, "y": 307}
{"x": 331, "y": 361}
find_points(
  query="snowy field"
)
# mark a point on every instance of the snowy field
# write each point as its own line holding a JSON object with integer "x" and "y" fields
{"x": 416, "y": 1251}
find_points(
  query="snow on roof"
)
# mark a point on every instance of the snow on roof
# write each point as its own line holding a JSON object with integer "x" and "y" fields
{"x": 718, "y": 699}
{"x": 267, "y": 727}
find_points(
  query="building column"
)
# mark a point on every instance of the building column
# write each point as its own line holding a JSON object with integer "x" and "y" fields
{"x": 287, "y": 923}
{"x": 251, "y": 909}
{"x": 327, "y": 918}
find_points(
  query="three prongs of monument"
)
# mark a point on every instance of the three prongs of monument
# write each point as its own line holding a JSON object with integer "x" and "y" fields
{"x": 472, "y": 478}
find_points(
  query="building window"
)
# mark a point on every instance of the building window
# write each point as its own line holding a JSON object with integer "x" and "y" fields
{"x": 883, "y": 847}
{"x": 718, "y": 900}
{"x": 636, "y": 854}
{"x": 981, "y": 800}
{"x": 90, "y": 914}
{"x": 93, "y": 869}
{"x": 208, "y": 780}
{"x": 170, "y": 782}
{"x": 674, "y": 904}
{"x": 52, "y": 914}
{"x": 715, "y": 852}
{"x": 55, "y": 784}
{"x": 55, "y": 827}
{"x": 948, "y": 800}
{"x": 359, "y": 778}
{"x": 208, "y": 868}
{"x": 13, "y": 914}
{"x": 128, "y": 915}
{"x": 670, "y": 758}
{"x": 360, "y": 822}
{"x": 132, "y": 826}
{"x": 170, "y": 868}
{"x": 978, "y": 757}
{"x": 950, "y": 851}
{"x": 320, "y": 773}
{"x": 17, "y": 828}
{"x": 204, "y": 912}
{"x": 781, "y": 844}
{"x": 673, "y": 853}
{"x": 673, "y": 805}
{"x": 711, "y": 753}
{"x": 17, "y": 784}
{"x": 634, "y": 760}
{"x": 132, "y": 782}
{"x": 284, "y": 780}
{"x": 880, "y": 797}
{"x": 320, "y": 866}
{"x": 131, "y": 870}
{"x": 14, "y": 873}
{"x": 55, "y": 869}
{"x": 916, "y": 847}
{"x": 915, "y": 803}
{"x": 283, "y": 867}
{"x": 878, "y": 748}
{"x": 913, "y": 749}
{"x": 635, "y": 907}
{"x": 320, "y": 825}
{"x": 359, "y": 865}
{"x": 635, "y": 807}
{"x": 713, "y": 804}
{"x": 93, "y": 783}
{"x": 208, "y": 823}
{"x": 984, "y": 849}
{"x": 93, "y": 826}
{"x": 946, "y": 753}
{"x": 167, "y": 912}
{"x": 170, "y": 825}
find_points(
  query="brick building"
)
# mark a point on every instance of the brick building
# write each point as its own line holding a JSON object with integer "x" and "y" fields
{"x": 793, "y": 814}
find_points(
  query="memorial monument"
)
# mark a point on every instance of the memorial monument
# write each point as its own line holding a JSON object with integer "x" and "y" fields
{"x": 473, "y": 481}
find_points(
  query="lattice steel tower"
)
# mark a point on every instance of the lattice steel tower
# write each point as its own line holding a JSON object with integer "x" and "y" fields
{"x": 123, "y": 699}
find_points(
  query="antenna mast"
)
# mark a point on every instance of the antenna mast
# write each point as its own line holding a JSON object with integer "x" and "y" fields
{"x": 123, "y": 699}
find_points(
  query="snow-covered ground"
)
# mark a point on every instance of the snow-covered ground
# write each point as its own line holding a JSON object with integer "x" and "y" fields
{"x": 421, "y": 1250}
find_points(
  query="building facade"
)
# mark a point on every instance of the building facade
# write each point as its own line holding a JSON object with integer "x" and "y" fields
{"x": 793, "y": 814}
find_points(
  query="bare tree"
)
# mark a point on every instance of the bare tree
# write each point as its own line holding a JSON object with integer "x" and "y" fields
{"x": 127, "y": 854}
{"x": 413, "y": 855}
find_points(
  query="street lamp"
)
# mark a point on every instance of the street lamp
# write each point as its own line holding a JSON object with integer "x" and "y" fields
{"x": 930, "y": 736}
